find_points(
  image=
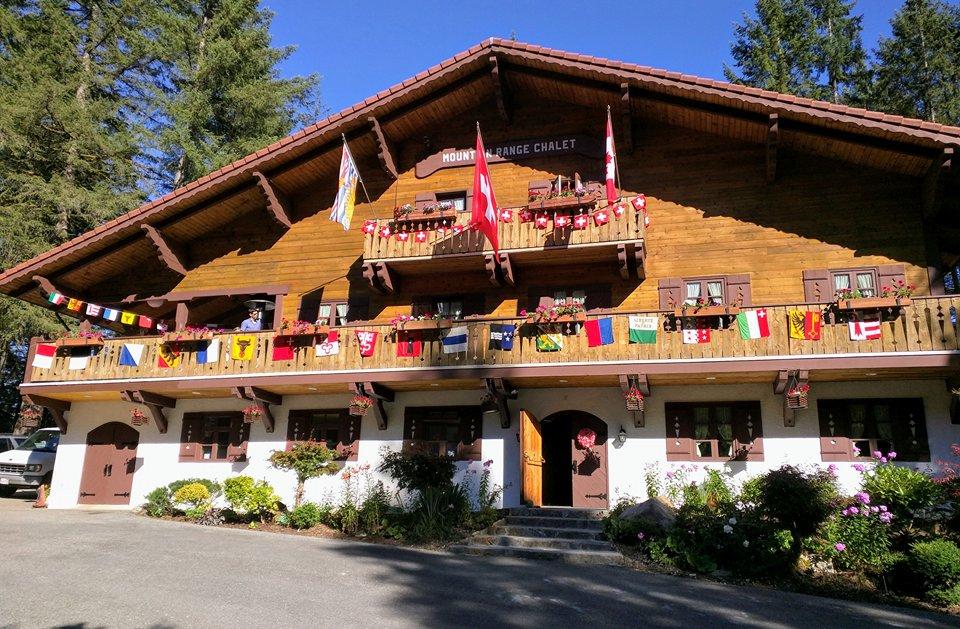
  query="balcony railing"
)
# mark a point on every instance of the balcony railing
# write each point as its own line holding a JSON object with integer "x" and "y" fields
{"x": 927, "y": 324}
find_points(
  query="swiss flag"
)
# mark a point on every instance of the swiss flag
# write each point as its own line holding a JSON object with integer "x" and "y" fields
{"x": 610, "y": 161}
{"x": 484, "y": 214}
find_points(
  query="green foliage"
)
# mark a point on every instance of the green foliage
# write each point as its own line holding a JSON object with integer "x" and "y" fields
{"x": 307, "y": 515}
{"x": 254, "y": 498}
{"x": 838, "y": 55}
{"x": 629, "y": 531}
{"x": 946, "y": 597}
{"x": 936, "y": 562}
{"x": 306, "y": 460}
{"x": 796, "y": 500}
{"x": 373, "y": 510}
{"x": 908, "y": 493}
{"x": 438, "y": 511}
{"x": 213, "y": 487}
{"x": 158, "y": 503}
{"x": 195, "y": 497}
{"x": 865, "y": 543}
{"x": 715, "y": 491}
{"x": 418, "y": 471}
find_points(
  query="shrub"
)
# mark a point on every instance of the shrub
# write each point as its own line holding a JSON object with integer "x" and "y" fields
{"x": 797, "y": 501}
{"x": 859, "y": 541}
{"x": 629, "y": 531}
{"x": 907, "y": 492}
{"x": 947, "y": 597}
{"x": 936, "y": 562}
{"x": 306, "y": 516}
{"x": 212, "y": 486}
{"x": 418, "y": 471}
{"x": 306, "y": 460}
{"x": 158, "y": 503}
{"x": 196, "y": 498}
{"x": 438, "y": 511}
{"x": 373, "y": 510}
{"x": 255, "y": 498}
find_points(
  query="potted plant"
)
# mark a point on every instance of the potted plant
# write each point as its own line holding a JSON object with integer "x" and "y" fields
{"x": 30, "y": 415}
{"x": 634, "y": 399}
{"x": 189, "y": 334}
{"x": 300, "y": 329}
{"x": 81, "y": 339}
{"x": 137, "y": 417}
{"x": 701, "y": 307}
{"x": 797, "y": 396}
{"x": 409, "y": 323}
{"x": 360, "y": 404}
{"x": 890, "y": 297}
{"x": 563, "y": 312}
{"x": 252, "y": 413}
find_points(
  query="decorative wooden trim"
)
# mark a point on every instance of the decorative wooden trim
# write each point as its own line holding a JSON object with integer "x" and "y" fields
{"x": 773, "y": 146}
{"x": 500, "y": 271}
{"x": 384, "y": 154}
{"x": 154, "y": 402}
{"x": 56, "y": 407}
{"x": 277, "y": 202}
{"x": 626, "y": 111}
{"x": 182, "y": 316}
{"x": 780, "y": 387}
{"x": 500, "y": 391}
{"x": 499, "y": 89}
{"x": 380, "y": 394}
{"x": 379, "y": 276}
{"x": 262, "y": 398}
{"x": 171, "y": 253}
{"x": 637, "y": 251}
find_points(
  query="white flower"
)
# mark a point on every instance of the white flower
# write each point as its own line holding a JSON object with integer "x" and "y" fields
{"x": 732, "y": 520}
{"x": 727, "y": 528}
{"x": 746, "y": 543}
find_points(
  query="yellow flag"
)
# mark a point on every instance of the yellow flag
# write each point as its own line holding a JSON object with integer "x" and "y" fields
{"x": 168, "y": 355}
{"x": 128, "y": 318}
{"x": 243, "y": 346}
{"x": 74, "y": 304}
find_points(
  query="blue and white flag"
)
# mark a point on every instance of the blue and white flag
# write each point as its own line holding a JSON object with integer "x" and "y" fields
{"x": 210, "y": 353}
{"x": 131, "y": 353}
{"x": 501, "y": 336}
{"x": 455, "y": 340}
{"x": 342, "y": 210}
{"x": 110, "y": 314}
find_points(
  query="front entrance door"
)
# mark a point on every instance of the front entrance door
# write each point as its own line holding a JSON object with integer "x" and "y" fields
{"x": 108, "y": 465}
{"x": 589, "y": 463}
{"x": 531, "y": 459}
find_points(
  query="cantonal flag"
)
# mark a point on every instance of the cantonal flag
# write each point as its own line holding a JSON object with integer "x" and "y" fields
{"x": 56, "y": 299}
{"x": 864, "y": 330}
{"x": 753, "y": 324}
{"x": 43, "y": 358}
{"x": 168, "y": 355}
{"x": 698, "y": 335}
{"x": 599, "y": 332}
{"x": 409, "y": 345}
{"x": 805, "y": 325}
{"x": 282, "y": 348}
{"x": 74, "y": 305}
{"x": 643, "y": 329}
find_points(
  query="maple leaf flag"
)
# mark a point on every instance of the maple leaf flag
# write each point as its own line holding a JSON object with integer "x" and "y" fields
{"x": 484, "y": 214}
{"x": 610, "y": 161}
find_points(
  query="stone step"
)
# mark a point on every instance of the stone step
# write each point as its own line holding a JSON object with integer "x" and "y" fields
{"x": 559, "y": 512}
{"x": 516, "y": 541}
{"x": 543, "y": 531}
{"x": 591, "y": 557}
{"x": 565, "y": 523}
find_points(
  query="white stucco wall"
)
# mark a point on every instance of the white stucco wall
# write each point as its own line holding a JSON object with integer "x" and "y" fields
{"x": 158, "y": 453}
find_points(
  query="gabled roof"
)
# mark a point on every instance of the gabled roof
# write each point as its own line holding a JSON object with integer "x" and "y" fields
{"x": 883, "y": 131}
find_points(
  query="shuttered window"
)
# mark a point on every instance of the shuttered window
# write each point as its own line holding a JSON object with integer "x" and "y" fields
{"x": 714, "y": 431}
{"x": 335, "y": 428}
{"x": 853, "y": 429}
{"x": 454, "y": 431}
{"x": 214, "y": 437}
{"x": 720, "y": 290}
{"x": 820, "y": 286}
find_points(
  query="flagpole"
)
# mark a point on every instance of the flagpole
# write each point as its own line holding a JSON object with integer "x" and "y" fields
{"x": 346, "y": 147}
{"x": 616, "y": 162}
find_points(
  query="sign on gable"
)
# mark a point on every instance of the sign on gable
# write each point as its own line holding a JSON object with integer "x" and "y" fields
{"x": 512, "y": 151}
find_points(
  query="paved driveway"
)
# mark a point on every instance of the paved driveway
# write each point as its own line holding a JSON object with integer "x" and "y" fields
{"x": 90, "y": 569}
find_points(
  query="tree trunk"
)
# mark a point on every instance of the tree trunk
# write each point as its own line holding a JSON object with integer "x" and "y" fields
{"x": 298, "y": 494}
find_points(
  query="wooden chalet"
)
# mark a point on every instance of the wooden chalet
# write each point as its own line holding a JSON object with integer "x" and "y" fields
{"x": 713, "y": 334}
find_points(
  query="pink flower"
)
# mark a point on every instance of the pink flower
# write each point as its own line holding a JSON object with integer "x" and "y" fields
{"x": 523, "y": 313}
{"x": 882, "y": 508}
{"x": 891, "y": 455}
{"x": 640, "y": 536}
{"x": 859, "y": 467}
{"x": 832, "y": 469}
{"x": 840, "y": 546}
{"x": 862, "y": 497}
{"x": 854, "y": 511}
{"x": 886, "y": 517}
{"x": 877, "y": 454}
{"x": 488, "y": 463}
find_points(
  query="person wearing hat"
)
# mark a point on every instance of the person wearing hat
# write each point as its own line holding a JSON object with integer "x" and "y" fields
{"x": 252, "y": 323}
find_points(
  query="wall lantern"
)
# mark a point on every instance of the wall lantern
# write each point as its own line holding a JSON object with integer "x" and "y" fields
{"x": 622, "y": 436}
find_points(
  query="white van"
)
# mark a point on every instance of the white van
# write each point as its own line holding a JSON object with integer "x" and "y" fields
{"x": 30, "y": 464}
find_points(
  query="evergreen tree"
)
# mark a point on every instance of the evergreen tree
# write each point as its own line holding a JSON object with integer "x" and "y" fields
{"x": 775, "y": 50}
{"x": 222, "y": 97}
{"x": 917, "y": 69}
{"x": 839, "y": 57}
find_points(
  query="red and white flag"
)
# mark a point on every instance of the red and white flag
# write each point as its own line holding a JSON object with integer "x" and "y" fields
{"x": 699, "y": 335}
{"x": 484, "y": 215}
{"x": 610, "y": 161}
{"x": 864, "y": 330}
{"x": 43, "y": 358}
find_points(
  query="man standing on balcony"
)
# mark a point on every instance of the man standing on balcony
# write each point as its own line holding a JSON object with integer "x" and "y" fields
{"x": 252, "y": 323}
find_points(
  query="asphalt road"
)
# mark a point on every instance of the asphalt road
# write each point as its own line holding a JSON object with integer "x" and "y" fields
{"x": 89, "y": 569}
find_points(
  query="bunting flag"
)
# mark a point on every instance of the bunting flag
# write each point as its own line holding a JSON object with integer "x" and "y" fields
{"x": 330, "y": 345}
{"x": 210, "y": 353}
{"x": 93, "y": 310}
{"x": 145, "y": 322}
{"x": 580, "y": 221}
{"x": 501, "y": 336}
{"x": 541, "y": 221}
{"x": 409, "y": 345}
{"x": 128, "y": 318}
{"x": 640, "y": 204}
{"x": 43, "y": 357}
{"x": 367, "y": 340}
{"x": 753, "y": 324}
{"x": 610, "y": 163}
{"x": 506, "y": 216}
{"x": 168, "y": 355}
{"x": 643, "y": 329}
{"x": 601, "y": 217}
{"x": 805, "y": 325}
{"x": 56, "y": 299}
{"x": 560, "y": 221}
{"x": 243, "y": 347}
{"x": 484, "y": 214}
{"x": 282, "y": 348}
{"x": 701, "y": 334}
{"x": 74, "y": 305}
{"x": 549, "y": 342}
{"x": 131, "y": 354}
{"x": 599, "y": 332}
{"x": 455, "y": 340}
{"x": 76, "y": 363}
{"x": 342, "y": 210}
{"x": 864, "y": 330}
{"x": 110, "y": 314}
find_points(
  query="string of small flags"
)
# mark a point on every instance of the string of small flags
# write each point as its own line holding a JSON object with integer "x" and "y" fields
{"x": 103, "y": 312}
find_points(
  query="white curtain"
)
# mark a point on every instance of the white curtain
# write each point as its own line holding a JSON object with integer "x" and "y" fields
{"x": 341, "y": 314}
{"x": 323, "y": 313}
{"x": 858, "y": 418}
{"x": 724, "y": 416}
{"x": 715, "y": 291}
{"x": 865, "y": 284}
{"x": 841, "y": 282}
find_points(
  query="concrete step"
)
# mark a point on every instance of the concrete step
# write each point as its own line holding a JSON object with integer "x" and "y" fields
{"x": 591, "y": 557}
{"x": 565, "y": 523}
{"x": 516, "y": 541}
{"x": 543, "y": 531}
{"x": 560, "y": 512}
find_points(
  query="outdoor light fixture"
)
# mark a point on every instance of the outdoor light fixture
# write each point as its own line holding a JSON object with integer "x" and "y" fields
{"x": 489, "y": 405}
{"x": 622, "y": 435}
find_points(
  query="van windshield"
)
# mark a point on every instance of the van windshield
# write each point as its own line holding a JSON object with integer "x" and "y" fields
{"x": 42, "y": 441}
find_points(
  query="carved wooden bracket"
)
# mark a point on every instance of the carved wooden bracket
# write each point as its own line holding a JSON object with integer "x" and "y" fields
{"x": 380, "y": 394}
{"x": 773, "y": 146}
{"x": 626, "y": 110}
{"x": 380, "y": 277}
{"x": 499, "y": 391}
{"x": 384, "y": 154}
{"x": 638, "y": 381}
{"x": 784, "y": 382}
{"x": 277, "y": 202}
{"x": 56, "y": 407}
{"x": 263, "y": 399}
{"x": 499, "y": 89}
{"x": 942, "y": 172}
{"x": 632, "y": 260}
{"x": 170, "y": 252}
{"x": 154, "y": 402}
{"x": 500, "y": 271}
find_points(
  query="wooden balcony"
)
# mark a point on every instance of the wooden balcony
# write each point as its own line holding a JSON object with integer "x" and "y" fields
{"x": 919, "y": 341}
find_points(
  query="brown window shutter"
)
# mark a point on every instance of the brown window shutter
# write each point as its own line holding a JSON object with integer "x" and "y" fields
{"x": 239, "y": 436}
{"x": 670, "y": 293}
{"x": 350, "y": 434}
{"x": 474, "y": 304}
{"x": 190, "y": 435}
{"x": 539, "y": 187}
{"x": 887, "y": 274}
{"x": 817, "y": 286}
{"x": 424, "y": 199}
{"x": 836, "y": 446}
{"x": 471, "y": 431}
{"x": 679, "y": 447}
{"x": 748, "y": 430}
{"x": 310, "y": 306}
{"x": 738, "y": 290}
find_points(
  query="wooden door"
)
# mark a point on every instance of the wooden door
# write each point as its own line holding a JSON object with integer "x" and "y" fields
{"x": 589, "y": 464}
{"x": 108, "y": 465}
{"x": 531, "y": 458}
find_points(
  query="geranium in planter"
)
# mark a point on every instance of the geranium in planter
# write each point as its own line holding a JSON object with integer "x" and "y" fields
{"x": 890, "y": 297}
{"x": 300, "y": 329}
{"x": 634, "y": 399}
{"x": 360, "y": 404}
{"x": 137, "y": 417}
{"x": 189, "y": 335}
{"x": 701, "y": 307}
{"x": 564, "y": 312}
{"x": 409, "y": 323}
{"x": 30, "y": 416}
{"x": 797, "y": 396}
{"x": 252, "y": 413}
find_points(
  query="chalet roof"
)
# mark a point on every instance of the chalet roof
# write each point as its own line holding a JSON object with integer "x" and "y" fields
{"x": 894, "y": 142}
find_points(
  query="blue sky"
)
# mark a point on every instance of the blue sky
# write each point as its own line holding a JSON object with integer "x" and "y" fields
{"x": 360, "y": 48}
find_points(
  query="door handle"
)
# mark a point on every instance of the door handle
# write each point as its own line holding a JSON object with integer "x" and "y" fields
{"x": 105, "y": 469}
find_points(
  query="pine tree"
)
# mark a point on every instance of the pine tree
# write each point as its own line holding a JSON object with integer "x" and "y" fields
{"x": 222, "y": 97}
{"x": 774, "y": 51}
{"x": 917, "y": 69}
{"x": 839, "y": 57}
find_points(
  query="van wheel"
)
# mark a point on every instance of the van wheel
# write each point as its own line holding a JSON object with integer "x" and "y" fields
{"x": 6, "y": 491}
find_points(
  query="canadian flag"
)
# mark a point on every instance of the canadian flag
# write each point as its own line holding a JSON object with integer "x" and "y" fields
{"x": 864, "y": 330}
{"x": 611, "y": 164}
{"x": 484, "y": 202}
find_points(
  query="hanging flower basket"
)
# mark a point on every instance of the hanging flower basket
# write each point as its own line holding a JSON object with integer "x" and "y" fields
{"x": 797, "y": 397}
{"x": 252, "y": 413}
{"x": 137, "y": 417}
{"x": 360, "y": 404}
{"x": 30, "y": 416}
{"x": 586, "y": 438}
{"x": 634, "y": 399}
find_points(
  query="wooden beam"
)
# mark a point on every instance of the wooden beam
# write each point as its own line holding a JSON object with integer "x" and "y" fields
{"x": 171, "y": 253}
{"x": 637, "y": 267}
{"x": 500, "y": 271}
{"x": 499, "y": 89}
{"x": 628, "y": 381}
{"x": 385, "y": 275}
{"x": 499, "y": 391}
{"x": 941, "y": 174}
{"x": 773, "y": 146}
{"x": 626, "y": 110}
{"x": 56, "y": 407}
{"x": 380, "y": 394}
{"x": 277, "y": 202}
{"x": 780, "y": 384}
{"x": 384, "y": 154}
{"x": 640, "y": 259}
{"x": 379, "y": 276}
{"x": 780, "y": 387}
{"x": 623, "y": 261}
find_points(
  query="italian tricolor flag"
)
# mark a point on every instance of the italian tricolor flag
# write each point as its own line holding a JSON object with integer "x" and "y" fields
{"x": 753, "y": 324}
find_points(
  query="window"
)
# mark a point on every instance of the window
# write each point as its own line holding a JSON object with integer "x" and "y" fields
{"x": 595, "y": 297}
{"x": 447, "y": 306}
{"x": 714, "y": 431}
{"x": 457, "y": 199}
{"x": 862, "y": 280}
{"x": 332, "y": 313}
{"x": 454, "y": 431}
{"x": 951, "y": 281}
{"x": 214, "y": 437}
{"x": 568, "y": 296}
{"x": 336, "y": 428}
{"x": 872, "y": 425}
{"x": 710, "y": 290}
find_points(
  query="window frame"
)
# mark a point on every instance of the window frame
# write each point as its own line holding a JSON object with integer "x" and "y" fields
{"x": 746, "y": 417}
{"x": 346, "y": 424}
{"x": 470, "y": 422}
{"x": 704, "y": 291}
{"x": 452, "y": 195}
{"x": 238, "y": 438}
{"x": 430, "y": 301}
{"x": 838, "y": 446}
{"x": 851, "y": 274}
{"x": 332, "y": 317}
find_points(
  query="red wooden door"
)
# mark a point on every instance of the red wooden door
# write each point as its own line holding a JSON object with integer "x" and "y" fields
{"x": 589, "y": 464}
{"x": 108, "y": 465}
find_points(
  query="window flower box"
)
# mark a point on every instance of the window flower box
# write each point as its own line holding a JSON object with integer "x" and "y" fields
{"x": 360, "y": 404}
{"x": 188, "y": 336}
{"x": 872, "y": 303}
{"x": 80, "y": 341}
{"x": 559, "y": 203}
{"x": 706, "y": 311}
{"x": 303, "y": 333}
{"x": 424, "y": 324}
